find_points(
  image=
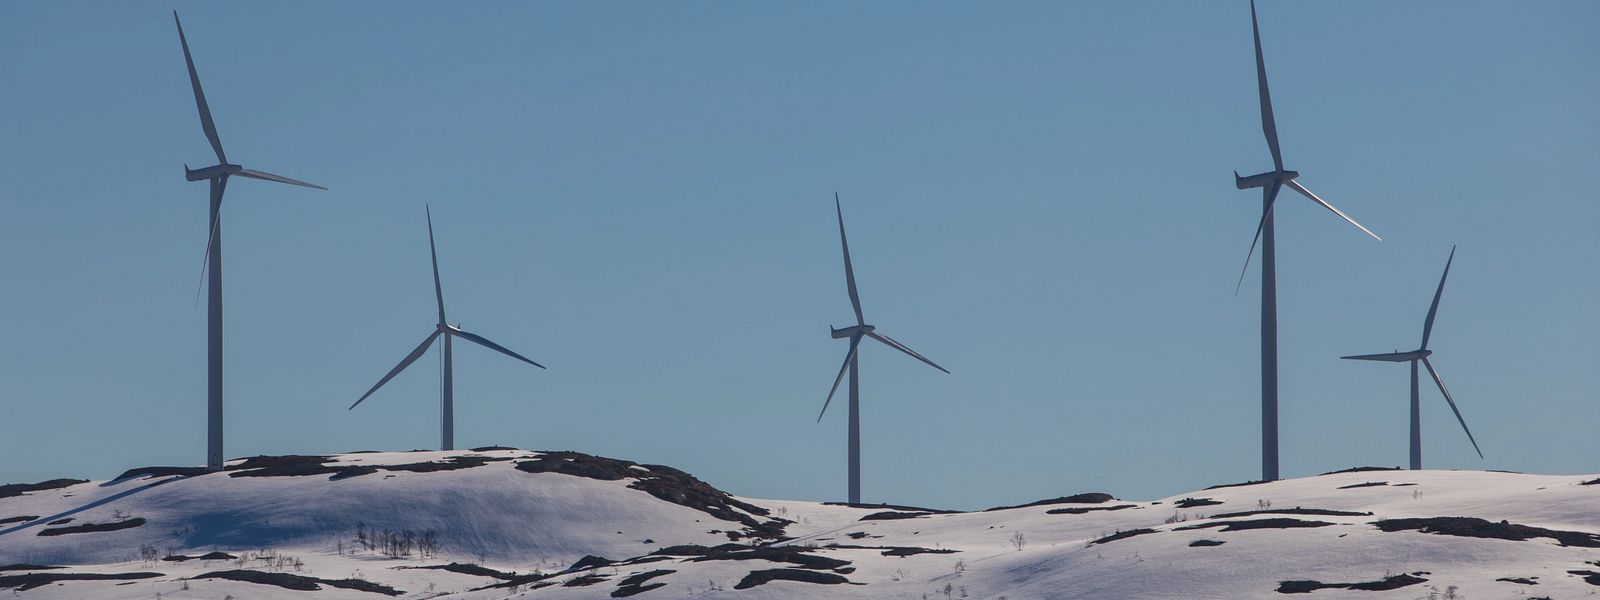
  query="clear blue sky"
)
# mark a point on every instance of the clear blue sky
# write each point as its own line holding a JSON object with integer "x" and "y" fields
{"x": 639, "y": 195}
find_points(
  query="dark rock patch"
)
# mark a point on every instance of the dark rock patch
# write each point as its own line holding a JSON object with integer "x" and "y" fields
{"x": 209, "y": 556}
{"x": 1121, "y": 535}
{"x": 1259, "y": 524}
{"x": 28, "y": 567}
{"x": 892, "y": 515}
{"x": 1205, "y": 543}
{"x": 18, "y": 519}
{"x": 1196, "y": 502}
{"x": 796, "y": 555}
{"x": 1363, "y": 485}
{"x": 25, "y": 582}
{"x": 895, "y": 550}
{"x": 18, "y": 489}
{"x": 856, "y": 535}
{"x": 467, "y": 569}
{"x": 1521, "y": 580}
{"x": 589, "y": 561}
{"x": 756, "y": 578}
{"x": 1392, "y": 583}
{"x": 1480, "y": 528}
{"x": 1088, "y": 498}
{"x": 94, "y": 527}
{"x": 283, "y": 466}
{"x": 161, "y": 472}
{"x": 448, "y": 464}
{"x": 491, "y": 448}
{"x": 1078, "y": 510}
{"x": 302, "y": 583}
{"x": 665, "y": 483}
{"x": 60, "y": 521}
{"x": 635, "y": 584}
{"x": 1362, "y": 470}
{"x": 584, "y": 580}
{"x": 1590, "y": 577}
{"x": 1293, "y": 511}
{"x": 1595, "y": 481}
{"x": 1229, "y": 485}
{"x": 891, "y": 507}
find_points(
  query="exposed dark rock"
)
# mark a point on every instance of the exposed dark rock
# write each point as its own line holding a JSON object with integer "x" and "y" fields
{"x": 1120, "y": 535}
{"x": 892, "y": 515}
{"x": 665, "y": 483}
{"x": 1088, "y": 498}
{"x": 490, "y": 448}
{"x": 467, "y": 569}
{"x": 589, "y": 561}
{"x": 299, "y": 582}
{"x": 18, "y": 519}
{"x": 18, "y": 489}
{"x": 635, "y": 584}
{"x": 584, "y": 580}
{"x": 1363, "y": 485}
{"x": 1229, "y": 485}
{"x": 1480, "y": 528}
{"x": 901, "y": 551}
{"x": 1362, "y": 470}
{"x": 1293, "y": 511}
{"x": 283, "y": 466}
{"x": 94, "y": 527}
{"x": 448, "y": 464}
{"x": 161, "y": 472}
{"x": 1196, "y": 502}
{"x": 28, "y": 581}
{"x": 60, "y": 521}
{"x": 1078, "y": 510}
{"x": 1258, "y": 524}
{"x": 1590, "y": 577}
{"x": 797, "y": 555}
{"x": 1595, "y": 481}
{"x": 756, "y": 578}
{"x": 1306, "y": 586}
{"x": 1521, "y": 580}
{"x": 891, "y": 507}
{"x": 1205, "y": 543}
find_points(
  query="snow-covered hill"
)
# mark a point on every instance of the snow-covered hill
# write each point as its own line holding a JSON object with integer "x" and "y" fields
{"x": 505, "y": 523}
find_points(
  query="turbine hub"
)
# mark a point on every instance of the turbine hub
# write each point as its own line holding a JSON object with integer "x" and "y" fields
{"x": 852, "y": 331}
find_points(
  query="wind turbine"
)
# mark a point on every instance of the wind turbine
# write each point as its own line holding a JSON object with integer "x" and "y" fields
{"x": 447, "y": 411}
{"x": 1270, "y": 182}
{"x": 852, "y": 361}
{"x": 218, "y": 176}
{"x": 1421, "y": 355}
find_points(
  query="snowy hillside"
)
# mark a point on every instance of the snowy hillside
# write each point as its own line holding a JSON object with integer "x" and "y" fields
{"x": 504, "y": 523}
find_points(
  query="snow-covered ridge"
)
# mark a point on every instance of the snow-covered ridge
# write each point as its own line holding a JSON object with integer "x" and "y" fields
{"x": 499, "y": 523}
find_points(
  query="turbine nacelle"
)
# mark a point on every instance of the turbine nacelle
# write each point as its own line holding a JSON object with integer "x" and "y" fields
{"x": 213, "y": 172}
{"x": 1263, "y": 179}
{"x": 852, "y": 331}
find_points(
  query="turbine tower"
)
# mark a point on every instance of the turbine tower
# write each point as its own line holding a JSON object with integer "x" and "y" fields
{"x": 447, "y": 437}
{"x": 1421, "y": 355}
{"x": 1270, "y": 182}
{"x": 852, "y": 360}
{"x": 218, "y": 176}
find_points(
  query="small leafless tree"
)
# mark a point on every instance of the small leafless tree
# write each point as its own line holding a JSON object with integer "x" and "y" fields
{"x": 1019, "y": 540}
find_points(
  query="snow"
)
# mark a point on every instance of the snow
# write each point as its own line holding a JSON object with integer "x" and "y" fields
{"x": 512, "y": 520}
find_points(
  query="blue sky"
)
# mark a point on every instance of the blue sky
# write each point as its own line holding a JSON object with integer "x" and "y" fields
{"x": 639, "y": 196}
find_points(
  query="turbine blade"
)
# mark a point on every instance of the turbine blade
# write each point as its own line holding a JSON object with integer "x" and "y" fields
{"x": 849, "y": 272}
{"x": 481, "y": 341}
{"x": 1387, "y": 357}
{"x": 1271, "y": 193}
{"x": 254, "y": 174}
{"x": 410, "y": 358}
{"x": 438, "y": 291}
{"x": 200, "y": 95}
{"x": 902, "y": 347}
{"x": 1307, "y": 193}
{"x": 1433, "y": 309}
{"x": 855, "y": 342}
{"x": 1269, "y": 126}
{"x": 217, "y": 187}
{"x": 1447, "y": 398}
